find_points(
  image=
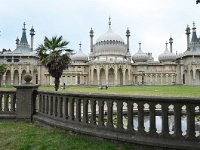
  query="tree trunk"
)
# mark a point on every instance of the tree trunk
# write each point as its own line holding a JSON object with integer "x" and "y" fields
{"x": 57, "y": 82}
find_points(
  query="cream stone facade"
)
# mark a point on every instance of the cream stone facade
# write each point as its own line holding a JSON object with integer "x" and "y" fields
{"x": 109, "y": 63}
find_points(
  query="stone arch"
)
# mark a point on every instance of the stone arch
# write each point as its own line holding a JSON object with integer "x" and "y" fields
{"x": 102, "y": 76}
{"x": 8, "y": 77}
{"x": 119, "y": 76}
{"x": 35, "y": 76}
{"x": 16, "y": 77}
{"x": 185, "y": 79}
{"x": 126, "y": 76}
{"x": 22, "y": 76}
{"x": 191, "y": 77}
{"x": 197, "y": 75}
{"x": 95, "y": 76}
{"x": 111, "y": 76}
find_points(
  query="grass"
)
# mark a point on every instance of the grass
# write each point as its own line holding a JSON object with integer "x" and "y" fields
{"x": 31, "y": 136}
{"x": 166, "y": 91}
{"x": 169, "y": 91}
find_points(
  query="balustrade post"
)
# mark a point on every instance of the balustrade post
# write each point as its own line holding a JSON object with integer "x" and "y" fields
{"x": 140, "y": 118}
{"x": 40, "y": 103}
{"x": 152, "y": 129}
{"x": 85, "y": 111}
{"x": 110, "y": 113}
{"x": 43, "y": 103}
{"x": 59, "y": 99}
{"x": 6, "y": 109}
{"x": 190, "y": 123}
{"x": 177, "y": 121}
{"x": 26, "y": 99}
{"x": 165, "y": 125}
{"x": 101, "y": 113}
{"x": 12, "y": 102}
{"x": 71, "y": 108}
{"x": 51, "y": 106}
{"x": 78, "y": 109}
{"x": 119, "y": 115}
{"x": 54, "y": 106}
{"x": 66, "y": 108}
{"x": 130, "y": 116}
{"x": 93, "y": 111}
{"x": 1, "y": 103}
{"x": 46, "y": 104}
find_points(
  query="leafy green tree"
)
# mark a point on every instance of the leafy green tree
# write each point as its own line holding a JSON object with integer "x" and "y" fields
{"x": 2, "y": 71}
{"x": 55, "y": 56}
{"x": 198, "y": 1}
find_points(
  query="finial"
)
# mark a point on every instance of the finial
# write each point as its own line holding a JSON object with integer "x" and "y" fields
{"x": 140, "y": 45}
{"x": 109, "y": 23}
{"x": 170, "y": 39}
{"x": 80, "y": 45}
{"x": 127, "y": 32}
{"x": 24, "y": 26}
{"x": 193, "y": 24}
{"x": 166, "y": 44}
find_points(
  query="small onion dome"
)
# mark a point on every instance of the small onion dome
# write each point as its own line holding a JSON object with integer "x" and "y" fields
{"x": 167, "y": 55}
{"x": 79, "y": 56}
{"x": 140, "y": 56}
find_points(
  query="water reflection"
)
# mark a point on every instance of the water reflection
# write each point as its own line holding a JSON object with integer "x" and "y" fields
{"x": 158, "y": 122}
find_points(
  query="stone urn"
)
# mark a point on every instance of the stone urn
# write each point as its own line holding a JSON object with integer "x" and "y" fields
{"x": 28, "y": 78}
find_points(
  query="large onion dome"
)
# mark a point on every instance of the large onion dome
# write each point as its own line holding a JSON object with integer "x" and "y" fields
{"x": 110, "y": 44}
{"x": 167, "y": 55}
{"x": 80, "y": 56}
{"x": 140, "y": 56}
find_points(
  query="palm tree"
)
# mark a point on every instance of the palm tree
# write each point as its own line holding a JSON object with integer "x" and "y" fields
{"x": 55, "y": 56}
{"x": 2, "y": 71}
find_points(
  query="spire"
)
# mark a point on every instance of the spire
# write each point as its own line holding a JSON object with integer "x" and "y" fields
{"x": 109, "y": 23}
{"x": 166, "y": 49}
{"x": 194, "y": 35}
{"x": 140, "y": 46}
{"x": 80, "y": 46}
{"x": 23, "y": 38}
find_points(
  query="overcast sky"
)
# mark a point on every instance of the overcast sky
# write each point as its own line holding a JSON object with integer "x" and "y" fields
{"x": 150, "y": 21}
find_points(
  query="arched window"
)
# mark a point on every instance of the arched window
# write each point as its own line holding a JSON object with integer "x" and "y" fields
{"x": 116, "y": 42}
{"x": 107, "y": 42}
{"x": 110, "y": 41}
{"x": 113, "y": 41}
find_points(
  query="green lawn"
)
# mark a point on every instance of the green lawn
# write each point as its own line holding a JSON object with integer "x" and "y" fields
{"x": 174, "y": 91}
{"x": 31, "y": 136}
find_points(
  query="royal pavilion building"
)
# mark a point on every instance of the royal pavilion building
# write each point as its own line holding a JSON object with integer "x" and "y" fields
{"x": 108, "y": 63}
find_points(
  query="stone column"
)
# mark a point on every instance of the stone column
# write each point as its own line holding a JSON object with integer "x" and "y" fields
{"x": 11, "y": 75}
{"x": 106, "y": 72}
{"x": 115, "y": 71}
{"x": 26, "y": 95}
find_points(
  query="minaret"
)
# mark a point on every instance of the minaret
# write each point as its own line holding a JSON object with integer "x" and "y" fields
{"x": 170, "y": 42}
{"x": 17, "y": 42}
{"x": 32, "y": 33}
{"x": 188, "y": 36}
{"x": 91, "y": 40}
{"x": 23, "y": 38}
{"x": 128, "y": 35}
{"x": 194, "y": 35}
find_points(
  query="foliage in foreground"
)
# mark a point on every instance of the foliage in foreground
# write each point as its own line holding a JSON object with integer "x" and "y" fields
{"x": 27, "y": 136}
